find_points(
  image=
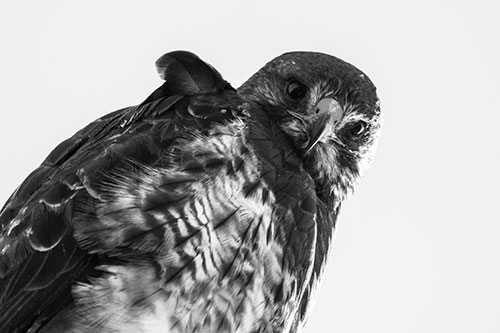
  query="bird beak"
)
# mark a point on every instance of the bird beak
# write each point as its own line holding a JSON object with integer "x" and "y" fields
{"x": 328, "y": 114}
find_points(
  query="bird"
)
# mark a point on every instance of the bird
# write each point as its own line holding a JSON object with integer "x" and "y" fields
{"x": 204, "y": 208}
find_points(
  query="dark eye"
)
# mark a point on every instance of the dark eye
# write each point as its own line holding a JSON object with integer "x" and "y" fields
{"x": 296, "y": 90}
{"x": 357, "y": 128}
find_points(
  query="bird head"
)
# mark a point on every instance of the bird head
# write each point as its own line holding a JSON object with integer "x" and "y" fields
{"x": 327, "y": 108}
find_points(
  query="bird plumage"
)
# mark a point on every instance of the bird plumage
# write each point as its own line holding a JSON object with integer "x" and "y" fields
{"x": 203, "y": 209}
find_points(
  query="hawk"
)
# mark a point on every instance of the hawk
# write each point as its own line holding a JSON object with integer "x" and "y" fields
{"x": 202, "y": 209}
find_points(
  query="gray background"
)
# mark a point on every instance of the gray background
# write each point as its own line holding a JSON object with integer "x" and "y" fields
{"x": 417, "y": 245}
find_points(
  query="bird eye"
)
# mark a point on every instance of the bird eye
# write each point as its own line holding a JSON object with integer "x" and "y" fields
{"x": 357, "y": 128}
{"x": 296, "y": 90}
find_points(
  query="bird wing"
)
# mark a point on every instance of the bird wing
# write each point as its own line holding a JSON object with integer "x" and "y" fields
{"x": 39, "y": 255}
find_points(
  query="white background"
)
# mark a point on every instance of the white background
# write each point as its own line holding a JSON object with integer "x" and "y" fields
{"x": 417, "y": 247}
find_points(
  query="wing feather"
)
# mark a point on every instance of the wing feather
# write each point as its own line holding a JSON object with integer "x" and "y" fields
{"x": 40, "y": 258}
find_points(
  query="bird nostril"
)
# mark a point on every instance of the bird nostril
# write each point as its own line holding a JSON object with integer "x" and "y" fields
{"x": 317, "y": 110}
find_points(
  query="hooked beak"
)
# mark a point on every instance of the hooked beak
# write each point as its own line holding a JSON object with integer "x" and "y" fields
{"x": 322, "y": 123}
